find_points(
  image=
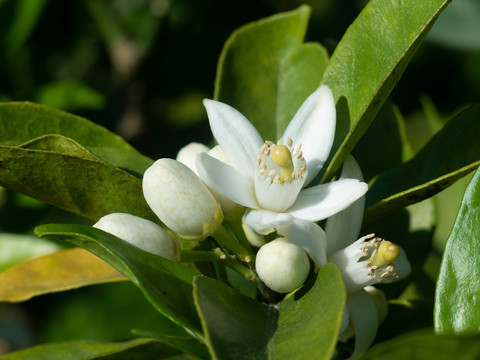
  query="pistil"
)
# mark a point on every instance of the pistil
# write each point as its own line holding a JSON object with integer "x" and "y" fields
{"x": 282, "y": 156}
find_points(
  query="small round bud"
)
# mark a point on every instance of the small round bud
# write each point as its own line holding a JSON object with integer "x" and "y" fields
{"x": 181, "y": 200}
{"x": 282, "y": 265}
{"x": 281, "y": 156}
{"x": 141, "y": 233}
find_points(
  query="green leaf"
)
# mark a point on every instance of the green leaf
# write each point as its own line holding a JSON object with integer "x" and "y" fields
{"x": 187, "y": 345}
{"x": 60, "y": 271}
{"x": 165, "y": 284}
{"x": 424, "y": 344}
{"x": 266, "y": 72}
{"x": 452, "y": 153}
{"x": 138, "y": 349}
{"x": 458, "y": 287}
{"x": 305, "y": 326}
{"x": 369, "y": 61}
{"x": 15, "y": 248}
{"x": 73, "y": 179}
{"x": 235, "y": 326}
{"x": 309, "y": 322}
{"x": 386, "y": 134}
{"x": 70, "y": 95}
{"x": 22, "y": 121}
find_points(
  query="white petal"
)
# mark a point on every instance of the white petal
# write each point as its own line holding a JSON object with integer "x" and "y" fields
{"x": 380, "y": 301}
{"x": 313, "y": 126}
{"x": 225, "y": 180}
{"x": 238, "y": 138}
{"x": 264, "y": 222}
{"x": 364, "y": 317}
{"x": 345, "y": 321}
{"x": 355, "y": 273}
{"x": 252, "y": 236}
{"x": 309, "y": 236}
{"x": 343, "y": 228}
{"x": 228, "y": 206}
{"x": 188, "y": 153}
{"x": 321, "y": 201}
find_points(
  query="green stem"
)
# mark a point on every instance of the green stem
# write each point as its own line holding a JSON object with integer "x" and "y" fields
{"x": 224, "y": 238}
{"x": 193, "y": 256}
{"x": 217, "y": 256}
{"x": 237, "y": 229}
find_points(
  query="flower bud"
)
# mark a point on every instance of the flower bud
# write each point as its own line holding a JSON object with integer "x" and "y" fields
{"x": 188, "y": 153}
{"x": 141, "y": 233}
{"x": 282, "y": 265}
{"x": 181, "y": 200}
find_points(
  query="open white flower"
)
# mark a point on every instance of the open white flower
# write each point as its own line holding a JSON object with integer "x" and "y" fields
{"x": 268, "y": 178}
{"x": 363, "y": 262}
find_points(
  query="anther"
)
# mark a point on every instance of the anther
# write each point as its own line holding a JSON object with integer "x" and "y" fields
{"x": 290, "y": 142}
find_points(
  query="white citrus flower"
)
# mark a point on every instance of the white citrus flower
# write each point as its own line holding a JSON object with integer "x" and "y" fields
{"x": 270, "y": 178}
{"x": 363, "y": 262}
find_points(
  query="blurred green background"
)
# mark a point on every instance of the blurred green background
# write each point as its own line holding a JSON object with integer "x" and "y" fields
{"x": 141, "y": 69}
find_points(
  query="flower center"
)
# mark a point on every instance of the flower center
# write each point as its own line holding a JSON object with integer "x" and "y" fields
{"x": 380, "y": 255}
{"x": 283, "y": 158}
{"x": 281, "y": 163}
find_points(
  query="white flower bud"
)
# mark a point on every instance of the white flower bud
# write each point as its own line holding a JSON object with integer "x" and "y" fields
{"x": 181, "y": 200}
{"x": 188, "y": 153}
{"x": 141, "y": 233}
{"x": 282, "y": 265}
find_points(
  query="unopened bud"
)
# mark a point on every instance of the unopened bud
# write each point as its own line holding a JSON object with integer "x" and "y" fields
{"x": 141, "y": 233}
{"x": 181, "y": 200}
{"x": 282, "y": 265}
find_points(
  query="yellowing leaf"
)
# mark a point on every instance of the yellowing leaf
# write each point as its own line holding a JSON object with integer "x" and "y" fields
{"x": 59, "y": 271}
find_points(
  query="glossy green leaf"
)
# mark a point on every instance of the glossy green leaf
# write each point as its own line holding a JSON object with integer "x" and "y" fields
{"x": 235, "y": 326}
{"x": 22, "y": 121}
{"x": 369, "y": 61}
{"x": 15, "y": 248}
{"x": 266, "y": 72}
{"x": 71, "y": 179}
{"x": 385, "y": 136}
{"x": 308, "y": 322}
{"x": 165, "y": 284}
{"x": 458, "y": 286}
{"x": 59, "y": 271}
{"x": 452, "y": 153}
{"x": 186, "y": 345}
{"x": 424, "y": 344}
{"x": 138, "y": 349}
{"x": 305, "y": 326}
